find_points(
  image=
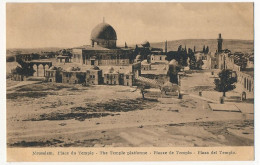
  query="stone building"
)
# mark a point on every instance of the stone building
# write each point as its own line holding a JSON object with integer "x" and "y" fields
{"x": 128, "y": 79}
{"x": 238, "y": 63}
{"x": 48, "y": 54}
{"x": 136, "y": 69}
{"x": 64, "y": 56}
{"x": 26, "y": 56}
{"x": 145, "y": 65}
{"x": 63, "y": 59}
{"x": 246, "y": 80}
{"x": 113, "y": 77}
{"x": 51, "y": 74}
{"x": 94, "y": 76}
{"x": 158, "y": 58}
{"x": 103, "y": 49}
{"x": 73, "y": 76}
{"x": 212, "y": 62}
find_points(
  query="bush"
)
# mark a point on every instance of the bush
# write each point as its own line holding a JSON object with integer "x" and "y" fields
{"x": 10, "y": 59}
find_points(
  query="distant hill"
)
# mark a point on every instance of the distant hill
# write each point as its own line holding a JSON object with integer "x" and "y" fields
{"x": 10, "y": 52}
{"x": 245, "y": 46}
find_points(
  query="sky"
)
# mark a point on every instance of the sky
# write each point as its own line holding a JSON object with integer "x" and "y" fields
{"x": 34, "y": 25}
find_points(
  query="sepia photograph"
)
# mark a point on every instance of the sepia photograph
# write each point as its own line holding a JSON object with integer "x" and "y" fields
{"x": 108, "y": 75}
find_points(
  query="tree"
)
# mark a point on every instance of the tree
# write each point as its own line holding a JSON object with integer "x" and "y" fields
{"x": 81, "y": 78}
{"x": 185, "y": 49}
{"x": 199, "y": 64}
{"x": 207, "y": 50}
{"x": 24, "y": 69}
{"x": 169, "y": 87}
{"x": 142, "y": 87}
{"x": 225, "y": 82}
{"x": 180, "y": 55}
{"x": 180, "y": 48}
{"x": 192, "y": 58}
{"x": 58, "y": 75}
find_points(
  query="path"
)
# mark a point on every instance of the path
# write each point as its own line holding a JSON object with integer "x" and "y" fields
{"x": 22, "y": 83}
{"x": 203, "y": 98}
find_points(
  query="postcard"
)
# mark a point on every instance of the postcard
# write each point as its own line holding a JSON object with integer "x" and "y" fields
{"x": 139, "y": 81}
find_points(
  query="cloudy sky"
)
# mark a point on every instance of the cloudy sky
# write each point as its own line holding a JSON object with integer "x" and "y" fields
{"x": 70, "y": 24}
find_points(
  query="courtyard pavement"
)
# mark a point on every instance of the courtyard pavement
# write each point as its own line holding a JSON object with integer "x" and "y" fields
{"x": 203, "y": 81}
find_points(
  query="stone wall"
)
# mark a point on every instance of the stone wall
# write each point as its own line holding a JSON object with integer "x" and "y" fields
{"x": 128, "y": 79}
{"x": 50, "y": 75}
{"x": 71, "y": 77}
{"x": 158, "y": 59}
{"x": 94, "y": 77}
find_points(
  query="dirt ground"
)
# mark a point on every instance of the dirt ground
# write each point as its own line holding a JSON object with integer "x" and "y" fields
{"x": 49, "y": 114}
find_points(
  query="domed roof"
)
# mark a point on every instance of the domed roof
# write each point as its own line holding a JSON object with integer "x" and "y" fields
{"x": 144, "y": 62}
{"x": 103, "y": 31}
{"x": 52, "y": 68}
{"x": 173, "y": 62}
{"x": 110, "y": 70}
{"x": 69, "y": 69}
{"x": 170, "y": 86}
{"x": 138, "y": 57}
{"x": 146, "y": 44}
{"x": 94, "y": 67}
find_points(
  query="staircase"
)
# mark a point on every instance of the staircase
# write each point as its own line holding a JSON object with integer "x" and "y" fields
{"x": 153, "y": 83}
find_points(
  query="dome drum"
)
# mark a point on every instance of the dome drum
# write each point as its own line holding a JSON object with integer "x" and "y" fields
{"x": 104, "y": 43}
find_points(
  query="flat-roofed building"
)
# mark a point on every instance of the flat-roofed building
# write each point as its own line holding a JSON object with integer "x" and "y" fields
{"x": 94, "y": 76}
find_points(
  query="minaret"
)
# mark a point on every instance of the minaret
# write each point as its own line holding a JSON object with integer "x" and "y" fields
{"x": 166, "y": 47}
{"x": 220, "y": 41}
{"x": 126, "y": 45}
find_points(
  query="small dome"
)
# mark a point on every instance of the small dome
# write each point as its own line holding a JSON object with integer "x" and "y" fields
{"x": 103, "y": 31}
{"x": 94, "y": 68}
{"x": 73, "y": 69}
{"x": 144, "y": 62}
{"x": 173, "y": 62}
{"x": 69, "y": 69}
{"x": 146, "y": 44}
{"x": 52, "y": 68}
{"x": 170, "y": 86}
{"x": 63, "y": 51}
{"x": 111, "y": 69}
{"x": 138, "y": 57}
